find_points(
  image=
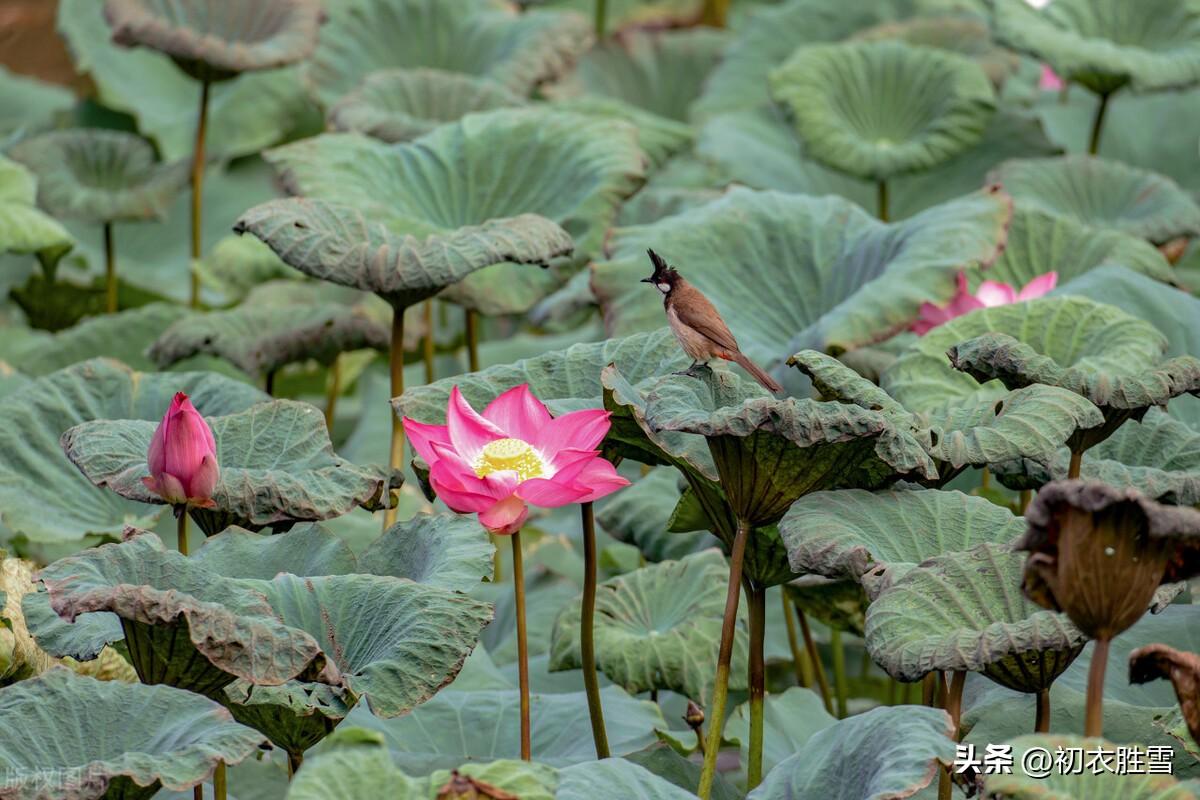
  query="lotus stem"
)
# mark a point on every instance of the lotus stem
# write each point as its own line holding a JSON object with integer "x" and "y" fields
{"x": 472, "y": 324}
{"x": 954, "y": 708}
{"x": 1042, "y": 723}
{"x": 716, "y": 718}
{"x": 428, "y": 343}
{"x": 181, "y": 529}
{"x": 497, "y": 559}
{"x": 110, "y": 271}
{"x": 757, "y": 600}
{"x": 1026, "y": 499}
{"x": 269, "y": 383}
{"x": 839, "y": 670}
{"x": 294, "y": 760}
{"x": 601, "y": 21}
{"x": 396, "y": 361}
{"x": 714, "y": 13}
{"x": 198, "y": 792}
{"x": 219, "y": 781}
{"x": 522, "y": 646}
{"x": 929, "y": 689}
{"x": 882, "y": 200}
{"x": 198, "y": 191}
{"x": 332, "y": 392}
{"x": 1098, "y": 124}
{"x": 800, "y": 663}
{"x": 1093, "y": 720}
{"x": 587, "y": 642}
{"x": 814, "y": 657}
{"x": 985, "y": 480}
{"x": 1076, "y": 462}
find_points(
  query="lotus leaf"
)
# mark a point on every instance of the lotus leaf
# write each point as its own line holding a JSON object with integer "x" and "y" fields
{"x": 659, "y": 138}
{"x": 305, "y": 550}
{"x": 1180, "y": 668}
{"x": 397, "y": 105}
{"x": 641, "y": 514}
{"x": 790, "y": 719}
{"x": 277, "y": 467}
{"x": 85, "y": 738}
{"x": 657, "y": 627}
{"x": 443, "y": 550}
{"x": 44, "y": 497}
{"x": 29, "y": 103}
{"x": 23, "y": 228}
{"x": 962, "y": 32}
{"x": 235, "y": 265}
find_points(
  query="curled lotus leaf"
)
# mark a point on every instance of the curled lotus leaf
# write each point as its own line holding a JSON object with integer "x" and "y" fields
{"x": 1108, "y": 44}
{"x": 658, "y": 627}
{"x": 475, "y": 37}
{"x": 44, "y": 497}
{"x": 23, "y": 228}
{"x": 277, "y": 467}
{"x": 100, "y": 176}
{"x": 397, "y": 105}
{"x": 211, "y": 41}
{"x": 183, "y": 624}
{"x": 896, "y": 753}
{"x": 875, "y": 537}
{"x": 261, "y": 336}
{"x": 1082, "y": 785}
{"x": 449, "y": 551}
{"x": 881, "y": 109}
{"x": 295, "y": 715}
{"x": 1102, "y": 193}
{"x": 84, "y": 738}
{"x": 958, "y": 31}
{"x": 964, "y": 611}
{"x": 1181, "y": 668}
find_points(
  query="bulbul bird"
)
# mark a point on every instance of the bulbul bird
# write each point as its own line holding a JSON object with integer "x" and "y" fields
{"x": 694, "y": 320}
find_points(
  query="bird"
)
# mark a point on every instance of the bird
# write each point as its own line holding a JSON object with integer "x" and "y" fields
{"x": 694, "y": 320}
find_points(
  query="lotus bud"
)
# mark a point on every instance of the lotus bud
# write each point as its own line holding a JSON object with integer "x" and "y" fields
{"x": 183, "y": 457}
{"x": 694, "y": 715}
{"x": 464, "y": 787}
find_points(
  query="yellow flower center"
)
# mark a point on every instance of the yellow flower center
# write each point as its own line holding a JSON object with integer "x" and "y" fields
{"x": 509, "y": 454}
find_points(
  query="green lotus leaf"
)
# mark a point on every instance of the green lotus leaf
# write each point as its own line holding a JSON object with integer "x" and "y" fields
{"x": 1098, "y": 351}
{"x": 653, "y": 203}
{"x": 184, "y": 625}
{"x": 881, "y": 109}
{"x": 100, "y": 176}
{"x": 272, "y": 328}
{"x": 83, "y": 640}
{"x": 640, "y": 515}
{"x": 456, "y": 726}
{"x": 1108, "y": 44}
{"x": 789, "y": 720}
{"x": 209, "y": 42}
{"x": 623, "y": 778}
{"x": 574, "y": 170}
{"x": 895, "y": 753}
{"x": 396, "y": 105}
{"x": 235, "y": 265}
{"x": 474, "y": 37}
{"x": 294, "y": 716}
{"x": 662, "y": 759}
{"x": 305, "y": 550}
{"x": 964, "y": 611}
{"x": 1082, "y": 783}
{"x": 662, "y": 72}
{"x": 246, "y": 114}
{"x": 89, "y": 738}
{"x": 29, "y": 103}
{"x": 966, "y": 34}
{"x": 23, "y": 228}
{"x": 877, "y": 537}
{"x": 849, "y": 279}
{"x": 657, "y": 627}
{"x": 277, "y": 467}
{"x": 43, "y": 495}
{"x": 1102, "y": 193}
{"x": 659, "y": 138}
{"x": 360, "y": 772}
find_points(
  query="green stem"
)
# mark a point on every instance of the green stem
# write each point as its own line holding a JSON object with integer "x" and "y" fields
{"x": 294, "y": 761}
{"x": 1076, "y": 463}
{"x": 110, "y": 271}
{"x": 800, "y": 663}
{"x": 333, "y": 390}
{"x": 1026, "y": 498}
{"x": 714, "y": 13}
{"x": 839, "y": 670}
{"x": 219, "y": 781}
{"x": 928, "y": 688}
{"x": 601, "y": 21}
{"x": 396, "y": 363}
{"x": 1098, "y": 124}
{"x": 985, "y": 480}
{"x": 1093, "y": 720}
{"x": 882, "y": 200}
{"x": 428, "y": 343}
{"x": 587, "y": 643}
{"x": 522, "y": 647}
{"x": 497, "y": 559}
{"x": 716, "y": 718}
{"x": 1042, "y": 723}
{"x": 757, "y": 600}
{"x": 181, "y": 527}
{"x": 954, "y": 708}
{"x": 198, "y": 191}
{"x": 472, "y": 325}
{"x": 814, "y": 656}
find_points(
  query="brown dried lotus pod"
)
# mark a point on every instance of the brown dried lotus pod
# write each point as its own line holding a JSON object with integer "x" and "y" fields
{"x": 464, "y": 787}
{"x": 1099, "y": 553}
{"x": 1181, "y": 668}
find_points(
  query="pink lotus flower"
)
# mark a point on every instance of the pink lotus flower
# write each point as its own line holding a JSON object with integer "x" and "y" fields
{"x": 1049, "y": 81}
{"x": 183, "y": 457}
{"x": 989, "y": 293}
{"x": 514, "y": 455}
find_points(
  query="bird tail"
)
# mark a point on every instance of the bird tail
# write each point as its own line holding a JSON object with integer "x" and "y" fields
{"x": 768, "y": 383}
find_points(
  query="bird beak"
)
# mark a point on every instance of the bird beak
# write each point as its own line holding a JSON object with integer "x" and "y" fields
{"x": 647, "y": 280}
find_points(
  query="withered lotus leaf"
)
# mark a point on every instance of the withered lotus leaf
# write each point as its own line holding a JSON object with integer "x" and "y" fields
{"x": 1182, "y": 669}
{"x": 1099, "y": 553}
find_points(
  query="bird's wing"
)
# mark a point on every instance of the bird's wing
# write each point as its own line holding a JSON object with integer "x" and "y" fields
{"x": 698, "y": 313}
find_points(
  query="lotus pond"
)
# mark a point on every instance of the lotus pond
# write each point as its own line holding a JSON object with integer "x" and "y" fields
{"x": 464, "y": 400}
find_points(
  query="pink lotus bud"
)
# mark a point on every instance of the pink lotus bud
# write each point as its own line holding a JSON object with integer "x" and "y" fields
{"x": 183, "y": 457}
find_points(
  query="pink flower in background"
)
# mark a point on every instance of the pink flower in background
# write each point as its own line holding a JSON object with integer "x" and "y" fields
{"x": 183, "y": 457}
{"x": 514, "y": 455}
{"x": 989, "y": 293}
{"x": 1050, "y": 81}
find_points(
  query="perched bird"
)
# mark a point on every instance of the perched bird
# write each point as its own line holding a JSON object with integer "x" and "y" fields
{"x": 694, "y": 320}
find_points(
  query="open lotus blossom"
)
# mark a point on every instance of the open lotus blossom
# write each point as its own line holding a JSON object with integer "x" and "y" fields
{"x": 1049, "y": 80}
{"x": 513, "y": 455}
{"x": 183, "y": 457}
{"x": 989, "y": 293}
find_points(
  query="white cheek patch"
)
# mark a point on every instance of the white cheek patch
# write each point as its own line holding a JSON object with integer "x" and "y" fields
{"x": 664, "y": 287}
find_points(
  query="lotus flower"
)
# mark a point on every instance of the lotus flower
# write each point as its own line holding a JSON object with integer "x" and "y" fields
{"x": 183, "y": 457}
{"x": 989, "y": 294}
{"x": 514, "y": 455}
{"x": 1049, "y": 80}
